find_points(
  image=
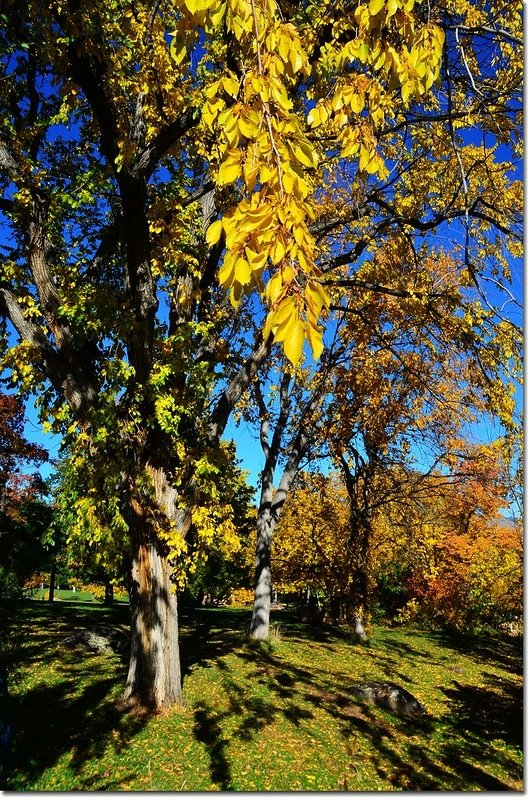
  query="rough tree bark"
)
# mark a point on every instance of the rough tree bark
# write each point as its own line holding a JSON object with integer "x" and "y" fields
{"x": 271, "y": 501}
{"x": 154, "y": 677}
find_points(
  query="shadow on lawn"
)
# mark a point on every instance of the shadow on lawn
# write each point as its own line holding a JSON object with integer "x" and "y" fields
{"x": 403, "y": 750}
{"x": 72, "y": 710}
{"x": 208, "y": 633}
{"x": 50, "y": 721}
{"x": 54, "y": 719}
{"x": 501, "y": 651}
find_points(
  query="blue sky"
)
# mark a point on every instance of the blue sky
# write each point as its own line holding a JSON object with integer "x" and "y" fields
{"x": 247, "y": 442}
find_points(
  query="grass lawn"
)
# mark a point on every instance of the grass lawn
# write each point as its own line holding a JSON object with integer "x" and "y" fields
{"x": 68, "y": 594}
{"x": 274, "y": 718}
{"x": 63, "y": 594}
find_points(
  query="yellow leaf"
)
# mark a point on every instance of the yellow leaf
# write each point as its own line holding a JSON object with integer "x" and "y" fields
{"x": 284, "y": 48}
{"x": 231, "y": 86}
{"x": 178, "y": 48}
{"x": 213, "y": 234}
{"x": 315, "y": 340}
{"x": 364, "y": 159}
{"x": 242, "y": 271}
{"x": 257, "y": 261}
{"x": 228, "y": 172}
{"x": 293, "y": 342}
{"x": 305, "y": 154}
{"x": 296, "y": 60}
{"x": 226, "y": 273}
{"x": 267, "y": 328}
{"x": 284, "y": 312}
{"x": 288, "y": 180}
{"x": 299, "y": 234}
{"x": 217, "y": 14}
{"x": 319, "y": 114}
{"x": 301, "y": 187}
{"x": 235, "y": 295}
{"x": 375, "y": 7}
{"x": 249, "y": 124}
{"x": 274, "y": 288}
{"x": 277, "y": 251}
{"x": 355, "y": 100}
{"x": 250, "y": 174}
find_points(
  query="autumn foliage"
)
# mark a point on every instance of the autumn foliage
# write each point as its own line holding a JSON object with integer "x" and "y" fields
{"x": 445, "y": 557}
{"x": 193, "y": 190}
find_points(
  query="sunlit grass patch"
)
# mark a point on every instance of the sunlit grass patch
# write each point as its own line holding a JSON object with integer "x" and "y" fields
{"x": 275, "y": 718}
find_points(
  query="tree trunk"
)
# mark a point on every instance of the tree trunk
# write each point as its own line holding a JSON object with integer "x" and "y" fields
{"x": 109, "y": 593}
{"x": 359, "y": 600}
{"x": 357, "y": 595}
{"x": 271, "y": 503}
{"x": 259, "y": 625}
{"x": 270, "y": 509}
{"x": 154, "y": 677}
{"x": 52, "y": 582}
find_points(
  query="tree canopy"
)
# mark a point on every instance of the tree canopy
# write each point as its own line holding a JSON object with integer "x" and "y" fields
{"x": 184, "y": 184}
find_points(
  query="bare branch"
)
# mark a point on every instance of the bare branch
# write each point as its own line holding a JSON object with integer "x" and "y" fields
{"x": 233, "y": 392}
{"x": 164, "y": 141}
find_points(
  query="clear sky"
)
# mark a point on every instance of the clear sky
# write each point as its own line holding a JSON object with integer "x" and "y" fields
{"x": 246, "y": 439}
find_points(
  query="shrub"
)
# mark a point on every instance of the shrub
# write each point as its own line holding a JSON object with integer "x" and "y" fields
{"x": 241, "y": 597}
{"x": 97, "y": 590}
{"x": 10, "y": 588}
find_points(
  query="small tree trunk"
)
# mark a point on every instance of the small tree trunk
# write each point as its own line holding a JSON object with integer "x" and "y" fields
{"x": 109, "y": 593}
{"x": 269, "y": 513}
{"x": 52, "y": 582}
{"x": 358, "y": 485}
{"x": 359, "y": 595}
{"x": 271, "y": 503}
{"x": 259, "y": 626}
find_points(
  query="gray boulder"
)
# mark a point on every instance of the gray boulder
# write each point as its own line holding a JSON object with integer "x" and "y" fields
{"x": 100, "y": 640}
{"x": 390, "y": 696}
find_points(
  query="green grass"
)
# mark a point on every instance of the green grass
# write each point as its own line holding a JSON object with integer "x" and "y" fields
{"x": 68, "y": 594}
{"x": 63, "y": 594}
{"x": 259, "y": 718}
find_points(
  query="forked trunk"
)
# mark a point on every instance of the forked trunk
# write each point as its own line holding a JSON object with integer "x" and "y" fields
{"x": 154, "y": 678}
{"x": 269, "y": 513}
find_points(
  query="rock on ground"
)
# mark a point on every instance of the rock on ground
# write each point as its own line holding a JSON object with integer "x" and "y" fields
{"x": 390, "y": 696}
{"x": 100, "y": 639}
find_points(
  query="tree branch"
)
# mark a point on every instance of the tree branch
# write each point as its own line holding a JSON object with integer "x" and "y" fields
{"x": 233, "y": 392}
{"x": 164, "y": 141}
{"x": 76, "y": 388}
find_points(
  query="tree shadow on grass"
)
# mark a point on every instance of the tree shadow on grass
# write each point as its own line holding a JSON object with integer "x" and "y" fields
{"x": 52, "y": 720}
{"x": 72, "y": 709}
{"x": 491, "y": 712}
{"x": 207, "y": 634}
{"x": 505, "y": 652}
{"x": 409, "y": 753}
{"x": 208, "y": 731}
{"x": 295, "y": 694}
